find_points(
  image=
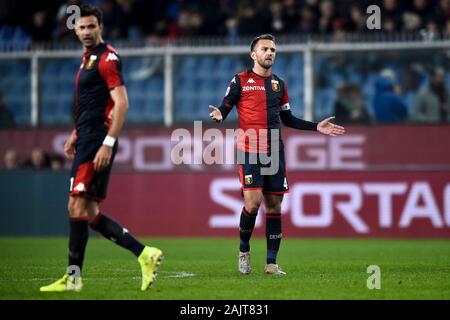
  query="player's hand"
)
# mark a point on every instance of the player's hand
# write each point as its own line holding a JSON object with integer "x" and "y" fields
{"x": 102, "y": 158}
{"x": 69, "y": 146}
{"x": 215, "y": 114}
{"x": 328, "y": 128}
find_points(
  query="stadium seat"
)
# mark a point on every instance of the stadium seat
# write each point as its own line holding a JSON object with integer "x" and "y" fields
{"x": 225, "y": 63}
{"x": 6, "y": 33}
{"x": 324, "y": 103}
{"x": 187, "y": 65}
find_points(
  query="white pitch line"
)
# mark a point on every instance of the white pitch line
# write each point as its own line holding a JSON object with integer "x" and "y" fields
{"x": 170, "y": 274}
{"x": 181, "y": 274}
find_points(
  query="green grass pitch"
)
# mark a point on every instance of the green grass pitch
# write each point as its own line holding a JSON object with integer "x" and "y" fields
{"x": 207, "y": 269}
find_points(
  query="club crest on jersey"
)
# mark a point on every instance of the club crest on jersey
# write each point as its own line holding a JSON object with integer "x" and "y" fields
{"x": 275, "y": 85}
{"x": 91, "y": 62}
{"x": 248, "y": 179}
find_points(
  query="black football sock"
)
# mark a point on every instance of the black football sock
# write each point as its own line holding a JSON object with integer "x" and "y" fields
{"x": 273, "y": 236}
{"x": 79, "y": 234}
{"x": 246, "y": 226}
{"x": 113, "y": 231}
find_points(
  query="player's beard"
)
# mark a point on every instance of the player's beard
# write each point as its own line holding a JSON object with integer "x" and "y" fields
{"x": 90, "y": 42}
{"x": 264, "y": 63}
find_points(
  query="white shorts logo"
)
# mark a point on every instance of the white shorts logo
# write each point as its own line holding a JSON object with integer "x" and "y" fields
{"x": 80, "y": 187}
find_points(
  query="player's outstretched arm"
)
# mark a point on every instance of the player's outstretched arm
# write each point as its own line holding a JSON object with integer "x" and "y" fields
{"x": 326, "y": 127}
{"x": 292, "y": 122}
{"x": 215, "y": 114}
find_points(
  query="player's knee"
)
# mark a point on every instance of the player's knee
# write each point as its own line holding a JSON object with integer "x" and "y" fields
{"x": 276, "y": 208}
{"x": 76, "y": 209}
{"x": 93, "y": 214}
{"x": 252, "y": 207}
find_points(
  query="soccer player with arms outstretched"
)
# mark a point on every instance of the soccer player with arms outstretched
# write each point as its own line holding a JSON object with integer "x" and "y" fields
{"x": 100, "y": 107}
{"x": 262, "y": 100}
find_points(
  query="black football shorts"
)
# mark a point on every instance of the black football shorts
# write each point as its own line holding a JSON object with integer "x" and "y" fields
{"x": 84, "y": 180}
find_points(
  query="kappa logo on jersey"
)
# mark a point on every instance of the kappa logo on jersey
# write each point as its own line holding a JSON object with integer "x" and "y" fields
{"x": 80, "y": 187}
{"x": 111, "y": 57}
{"x": 275, "y": 85}
{"x": 251, "y": 80}
{"x": 248, "y": 179}
{"x": 229, "y": 87}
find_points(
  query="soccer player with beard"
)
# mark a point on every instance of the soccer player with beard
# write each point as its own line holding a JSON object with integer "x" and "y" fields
{"x": 262, "y": 100}
{"x": 100, "y": 107}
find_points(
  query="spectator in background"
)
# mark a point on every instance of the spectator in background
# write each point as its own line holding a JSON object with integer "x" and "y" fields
{"x": 447, "y": 29}
{"x": 350, "y": 106}
{"x": 442, "y": 12}
{"x": 56, "y": 162}
{"x": 165, "y": 19}
{"x": 61, "y": 33}
{"x": 433, "y": 101}
{"x": 38, "y": 160}
{"x": 189, "y": 24}
{"x": 411, "y": 22}
{"x": 113, "y": 20}
{"x": 276, "y": 13}
{"x": 232, "y": 30}
{"x": 356, "y": 21}
{"x": 11, "y": 160}
{"x": 40, "y": 18}
{"x": 421, "y": 8}
{"x": 308, "y": 20}
{"x": 6, "y": 116}
{"x": 387, "y": 104}
{"x": 415, "y": 17}
{"x": 313, "y": 5}
{"x": 327, "y": 16}
{"x": 432, "y": 28}
{"x": 388, "y": 25}
{"x": 391, "y": 12}
{"x": 290, "y": 15}
{"x": 215, "y": 14}
{"x": 249, "y": 21}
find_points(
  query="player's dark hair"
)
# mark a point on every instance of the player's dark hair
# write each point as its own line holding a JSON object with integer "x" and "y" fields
{"x": 87, "y": 10}
{"x": 265, "y": 36}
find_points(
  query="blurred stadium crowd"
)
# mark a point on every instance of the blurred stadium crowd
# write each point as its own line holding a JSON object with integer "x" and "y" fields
{"x": 38, "y": 159}
{"x": 371, "y": 86}
{"x": 45, "y": 20}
